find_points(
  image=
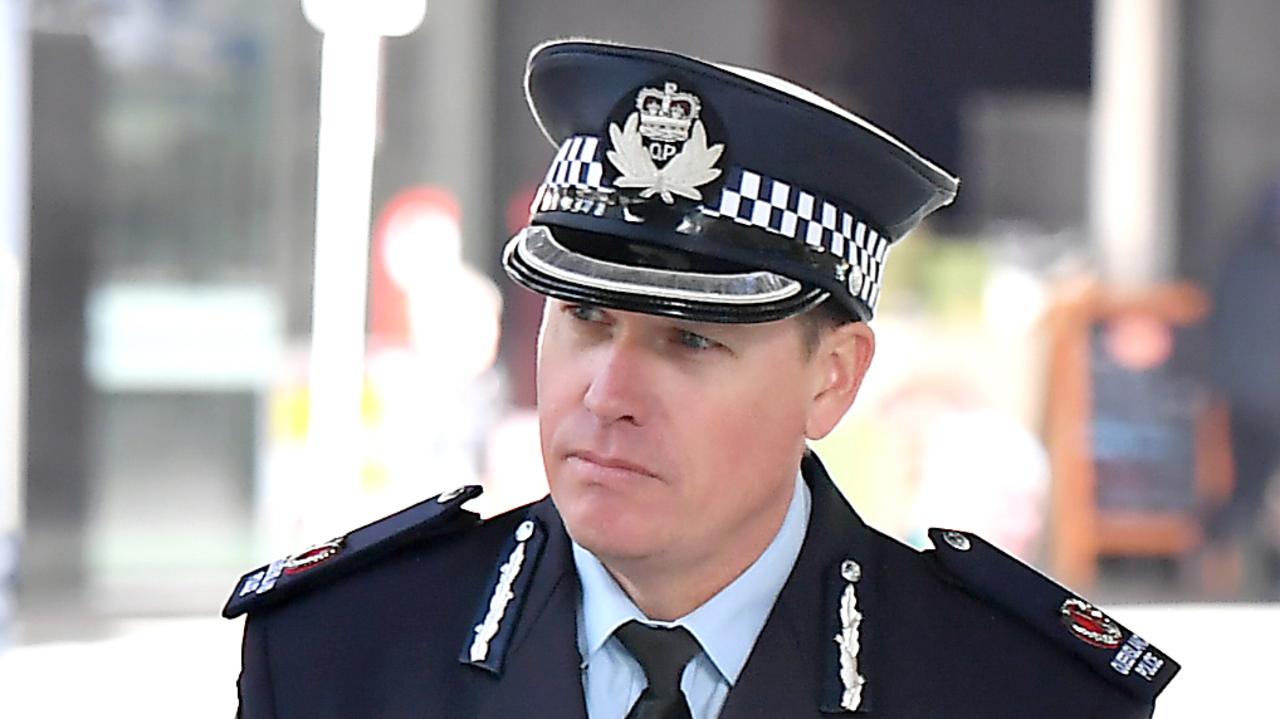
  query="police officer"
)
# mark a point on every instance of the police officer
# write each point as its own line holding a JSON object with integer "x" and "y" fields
{"x": 711, "y": 241}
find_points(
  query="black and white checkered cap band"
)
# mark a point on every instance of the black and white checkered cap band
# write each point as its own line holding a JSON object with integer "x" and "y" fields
{"x": 747, "y": 198}
{"x": 575, "y": 165}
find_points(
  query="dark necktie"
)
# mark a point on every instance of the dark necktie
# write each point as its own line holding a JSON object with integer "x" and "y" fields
{"x": 662, "y": 654}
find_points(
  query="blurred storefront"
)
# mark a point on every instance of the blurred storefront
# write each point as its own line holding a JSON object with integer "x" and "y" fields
{"x": 172, "y": 189}
{"x": 166, "y": 217}
{"x": 174, "y": 206}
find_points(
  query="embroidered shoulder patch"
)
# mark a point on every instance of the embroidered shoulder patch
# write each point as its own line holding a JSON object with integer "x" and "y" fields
{"x": 325, "y": 562}
{"x": 1070, "y": 622}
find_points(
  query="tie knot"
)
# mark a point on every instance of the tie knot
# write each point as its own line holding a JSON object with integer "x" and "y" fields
{"x": 661, "y": 651}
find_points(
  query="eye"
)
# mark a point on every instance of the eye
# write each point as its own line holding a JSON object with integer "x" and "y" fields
{"x": 585, "y": 313}
{"x": 695, "y": 341}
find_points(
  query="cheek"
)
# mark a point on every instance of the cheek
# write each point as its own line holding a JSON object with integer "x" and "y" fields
{"x": 555, "y": 379}
{"x": 562, "y": 382}
{"x": 750, "y": 432}
{"x": 554, "y": 404}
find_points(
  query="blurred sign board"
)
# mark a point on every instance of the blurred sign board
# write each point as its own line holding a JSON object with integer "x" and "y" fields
{"x": 1142, "y": 419}
{"x": 1137, "y": 444}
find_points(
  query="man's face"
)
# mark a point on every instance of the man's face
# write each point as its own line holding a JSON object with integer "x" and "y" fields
{"x": 666, "y": 440}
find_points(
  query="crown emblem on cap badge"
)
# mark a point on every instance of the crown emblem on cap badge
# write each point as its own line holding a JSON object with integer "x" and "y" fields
{"x": 664, "y": 129}
{"x": 667, "y": 115}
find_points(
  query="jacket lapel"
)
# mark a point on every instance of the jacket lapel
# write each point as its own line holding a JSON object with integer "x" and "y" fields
{"x": 793, "y": 670}
{"x": 779, "y": 678}
{"x": 541, "y": 675}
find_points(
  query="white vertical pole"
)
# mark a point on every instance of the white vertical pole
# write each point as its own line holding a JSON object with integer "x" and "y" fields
{"x": 344, "y": 181}
{"x": 15, "y": 107}
{"x": 349, "y": 79}
{"x": 1132, "y": 188}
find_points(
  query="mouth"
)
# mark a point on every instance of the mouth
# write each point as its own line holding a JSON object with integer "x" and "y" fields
{"x": 608, "y": 464}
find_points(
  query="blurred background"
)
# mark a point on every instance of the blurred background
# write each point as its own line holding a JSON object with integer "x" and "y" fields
{"x": 1077, "y": 359}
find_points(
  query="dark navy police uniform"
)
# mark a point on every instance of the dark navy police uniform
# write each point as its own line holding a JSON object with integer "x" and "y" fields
{"x": 692, "y": 190}
{"x": 387, "y": 626}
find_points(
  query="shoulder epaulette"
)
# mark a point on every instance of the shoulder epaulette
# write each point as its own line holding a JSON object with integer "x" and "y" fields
{"x": 1068, "y": 621}
{"x": 323, "y": 563}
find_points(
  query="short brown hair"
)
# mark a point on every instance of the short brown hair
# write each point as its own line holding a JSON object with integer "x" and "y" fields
{"x": 816, "y": 320}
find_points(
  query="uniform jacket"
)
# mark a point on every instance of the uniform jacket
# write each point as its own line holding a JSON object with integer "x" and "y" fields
{"x": 953, "y": 632}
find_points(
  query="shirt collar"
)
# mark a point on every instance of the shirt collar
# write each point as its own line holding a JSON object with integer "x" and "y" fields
{"x": 727, "y": 624}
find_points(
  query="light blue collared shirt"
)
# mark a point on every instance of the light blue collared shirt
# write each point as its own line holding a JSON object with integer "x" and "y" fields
{"x": 726, "y": 625}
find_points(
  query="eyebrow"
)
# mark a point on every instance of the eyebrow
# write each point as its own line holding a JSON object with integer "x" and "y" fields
{"x": 702, "y": 327}
{"x": 721, "y": 329}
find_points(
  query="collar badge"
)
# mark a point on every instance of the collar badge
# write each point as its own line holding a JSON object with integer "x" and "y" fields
{"x": 503, "y": 593}
{"x": 848, "y": 640}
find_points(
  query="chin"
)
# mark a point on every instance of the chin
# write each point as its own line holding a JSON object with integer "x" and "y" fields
{"x": 606, "y": 530}
{"x": 611, "y": 548}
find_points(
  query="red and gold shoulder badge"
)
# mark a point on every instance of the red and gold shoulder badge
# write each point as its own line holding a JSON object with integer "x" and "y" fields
{"x": 1088, "y": 624}
{"x": 312, "y": 556}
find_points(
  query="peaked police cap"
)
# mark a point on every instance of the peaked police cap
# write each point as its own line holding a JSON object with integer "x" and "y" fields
{"x": 709, "y": 192}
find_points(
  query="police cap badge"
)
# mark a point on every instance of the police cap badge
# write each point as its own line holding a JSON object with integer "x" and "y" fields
{"x": 709, "y": 192}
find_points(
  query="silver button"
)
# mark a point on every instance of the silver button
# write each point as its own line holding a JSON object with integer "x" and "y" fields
{"x": 850, "y": 570}
{"x": 451, "y": 495}
{"x": 957, "y": 541}
{"x": 524, "y": 531}
{"x": 856, "y": 279}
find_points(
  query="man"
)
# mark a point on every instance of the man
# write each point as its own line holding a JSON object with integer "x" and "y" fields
{"x": 711, "y": 242}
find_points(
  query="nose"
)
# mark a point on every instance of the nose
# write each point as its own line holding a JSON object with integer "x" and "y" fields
{"x": 617, "y": 391}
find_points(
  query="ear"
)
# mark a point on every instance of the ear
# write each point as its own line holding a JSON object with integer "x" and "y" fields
{"x": 839, "y": 363}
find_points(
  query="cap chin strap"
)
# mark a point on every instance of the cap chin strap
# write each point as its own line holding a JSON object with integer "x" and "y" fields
{"x": 538, "y": 248}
